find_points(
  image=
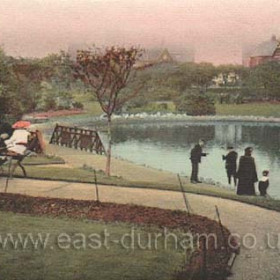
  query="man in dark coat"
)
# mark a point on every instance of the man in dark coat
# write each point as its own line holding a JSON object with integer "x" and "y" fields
{"x": 196, "y": 154}
{"x": 231, "y": 165}
{"x": 247, "y": 174}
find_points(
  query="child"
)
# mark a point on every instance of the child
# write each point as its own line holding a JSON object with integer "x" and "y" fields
{"x": 264, "y": 183}
{"x": 231, "y": 159}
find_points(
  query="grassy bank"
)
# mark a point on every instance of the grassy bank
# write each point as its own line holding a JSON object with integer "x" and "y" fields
{"x": 264, "y": 110}
{"x": 90, "y": 106}
{"x": 250, "y": 109}
{"x": 84, "y": 258}
{"x": 43, "y": 160}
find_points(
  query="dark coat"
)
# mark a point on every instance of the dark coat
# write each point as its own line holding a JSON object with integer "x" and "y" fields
{"x": 231, "y": 159}
{"x": 6, "y": 128}
{"x": 247, "y": 176}
{"x": 263, "y": 185}
{"x": 196, "y": 154}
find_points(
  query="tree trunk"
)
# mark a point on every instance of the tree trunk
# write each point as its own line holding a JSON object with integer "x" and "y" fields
{"x": 108, "y": 162}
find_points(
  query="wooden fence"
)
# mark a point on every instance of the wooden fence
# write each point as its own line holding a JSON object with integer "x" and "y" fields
{"x": 78, "y": 138}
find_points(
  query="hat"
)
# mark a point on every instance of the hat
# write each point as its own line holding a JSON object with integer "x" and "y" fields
{"x": 248, "y": 151}
{"x": 21, "y": 124}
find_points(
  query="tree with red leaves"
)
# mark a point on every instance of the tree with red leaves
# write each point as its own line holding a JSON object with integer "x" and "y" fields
{"x": 107, "y": 72}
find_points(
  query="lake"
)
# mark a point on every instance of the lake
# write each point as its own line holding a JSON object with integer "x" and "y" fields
{"x": 167, "y": 146}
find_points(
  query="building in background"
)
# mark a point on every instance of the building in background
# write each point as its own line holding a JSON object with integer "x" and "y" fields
{"x": 156, "y": 56}
{"x": 150, "y": 57}
{"x": 264, "y": 52}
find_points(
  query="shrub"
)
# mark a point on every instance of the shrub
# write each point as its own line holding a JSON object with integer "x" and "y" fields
{"x": 196, "y": 105}
{"x": 50, "y": 103}
{"x": 78, "y": 105}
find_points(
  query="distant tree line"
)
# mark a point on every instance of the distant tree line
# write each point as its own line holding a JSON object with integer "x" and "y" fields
{"x": 192, "y": 85}
{"x": 36, "y": 84}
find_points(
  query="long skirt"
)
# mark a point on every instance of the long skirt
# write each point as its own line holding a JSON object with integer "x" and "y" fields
{"x": 245, "y": 187}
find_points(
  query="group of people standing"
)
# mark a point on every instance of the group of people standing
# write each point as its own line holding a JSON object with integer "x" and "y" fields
{"x": 244, "y": 177}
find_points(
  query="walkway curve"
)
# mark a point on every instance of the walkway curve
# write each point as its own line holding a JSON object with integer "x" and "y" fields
{"x": 251, "y": 223}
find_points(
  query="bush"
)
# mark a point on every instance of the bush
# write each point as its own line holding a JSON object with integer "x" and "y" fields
{"x": 50, "y": 103}
{"x": 63, "y": 107}
{"x": 196, "y": 105}
{"x": 78, "y": 105}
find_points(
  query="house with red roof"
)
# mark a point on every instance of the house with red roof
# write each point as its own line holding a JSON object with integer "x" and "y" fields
{"x": 264, "y": 52}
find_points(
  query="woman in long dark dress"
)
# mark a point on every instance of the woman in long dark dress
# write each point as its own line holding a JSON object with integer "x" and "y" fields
{"x": 247, "y": 174}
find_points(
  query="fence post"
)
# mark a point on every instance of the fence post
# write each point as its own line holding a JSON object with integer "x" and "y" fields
{"x": 184, "y": 194}
{"x": 96, "y": 186}
{"x": 53, "y": 134}
{"x": 221, "y": 227}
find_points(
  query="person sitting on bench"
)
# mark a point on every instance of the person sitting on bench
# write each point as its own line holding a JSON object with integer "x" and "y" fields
{"x": 16, "y": 144}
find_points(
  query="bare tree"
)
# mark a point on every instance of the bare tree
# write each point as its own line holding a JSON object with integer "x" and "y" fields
{"x": 107, "y": 72}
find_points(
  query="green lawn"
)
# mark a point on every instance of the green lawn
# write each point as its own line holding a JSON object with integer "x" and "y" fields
{"x": 90, "y": 106}
{"x": 77, "y": 250}
{"x": 43, "y": 160}
{"x": 251, "y": 109}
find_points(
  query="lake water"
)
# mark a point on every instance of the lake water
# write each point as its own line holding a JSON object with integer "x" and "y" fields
{"x": 167, "y": 147}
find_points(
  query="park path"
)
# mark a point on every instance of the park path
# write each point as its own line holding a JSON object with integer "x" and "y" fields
{"x": 247, "y": 221}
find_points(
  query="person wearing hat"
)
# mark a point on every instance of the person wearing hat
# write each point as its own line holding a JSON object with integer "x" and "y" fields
{"x": 16, "y": 144}
{"x": 196, "y": 154}
{"x": 247, "y": 174}
{"x": 231, "y": 165}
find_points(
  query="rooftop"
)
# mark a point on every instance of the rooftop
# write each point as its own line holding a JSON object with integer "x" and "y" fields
{"x": 266, "y": 48}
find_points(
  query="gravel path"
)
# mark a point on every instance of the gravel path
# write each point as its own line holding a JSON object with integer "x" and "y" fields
{"x": 252, "y": 224}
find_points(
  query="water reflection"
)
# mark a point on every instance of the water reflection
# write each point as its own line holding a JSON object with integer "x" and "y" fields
{"x": 170, "y": 134}
{"x": 167, "y": 146}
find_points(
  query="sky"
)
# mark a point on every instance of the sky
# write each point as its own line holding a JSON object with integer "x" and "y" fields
{"x": 218, "y": 30}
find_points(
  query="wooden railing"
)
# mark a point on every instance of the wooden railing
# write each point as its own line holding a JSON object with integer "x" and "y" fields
{"x": 77, "y": 138}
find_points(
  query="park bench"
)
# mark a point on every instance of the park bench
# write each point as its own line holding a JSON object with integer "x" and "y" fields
{"x": 33, "y": 145}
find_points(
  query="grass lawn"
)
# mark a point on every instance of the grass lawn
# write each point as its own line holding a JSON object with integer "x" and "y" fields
{"x": 251, "y": 109}
{"x": 43, "y": 160}
{"x": 90, "y": 106}
{"x": 83, "y": 254}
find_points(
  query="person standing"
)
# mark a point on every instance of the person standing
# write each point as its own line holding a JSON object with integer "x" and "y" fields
{"x": 231, "y": 165}
{"x": 246, "y": 174}
{"x": 264, "y": 183}
{"x": 196, "y": 154}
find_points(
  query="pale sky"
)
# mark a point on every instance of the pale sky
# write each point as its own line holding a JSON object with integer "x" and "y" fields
{"x": 217, "y": 29}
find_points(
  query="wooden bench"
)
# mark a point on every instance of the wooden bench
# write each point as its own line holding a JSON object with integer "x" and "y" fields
{"x": 34, "y": 145}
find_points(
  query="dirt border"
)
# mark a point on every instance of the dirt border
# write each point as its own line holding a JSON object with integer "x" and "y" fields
{"x": 205, "y": 264}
